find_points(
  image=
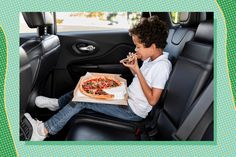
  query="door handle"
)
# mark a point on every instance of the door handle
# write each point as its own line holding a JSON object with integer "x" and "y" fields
{"x": 89, "y": 48}
{"x": 85, "y": 47}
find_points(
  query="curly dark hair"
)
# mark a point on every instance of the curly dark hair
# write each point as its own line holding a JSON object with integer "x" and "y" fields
{"x": 151, "y": 30}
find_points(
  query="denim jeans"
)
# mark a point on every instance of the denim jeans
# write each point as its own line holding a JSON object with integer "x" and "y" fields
{"x": 68, "y": 109}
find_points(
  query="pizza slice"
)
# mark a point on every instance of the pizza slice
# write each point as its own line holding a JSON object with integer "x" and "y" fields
{"x": 130, "y": 58}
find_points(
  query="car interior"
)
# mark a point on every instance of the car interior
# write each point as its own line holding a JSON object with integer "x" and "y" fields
{"x": 51, "y": 63}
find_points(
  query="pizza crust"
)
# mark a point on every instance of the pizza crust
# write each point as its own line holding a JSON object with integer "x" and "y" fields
{"x": 130, "y": 58}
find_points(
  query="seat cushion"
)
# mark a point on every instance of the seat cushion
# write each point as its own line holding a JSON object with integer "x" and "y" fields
{"x": 90, "y": 131}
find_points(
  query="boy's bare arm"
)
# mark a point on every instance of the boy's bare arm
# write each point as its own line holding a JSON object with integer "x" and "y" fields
{"x": 152, "y": 94}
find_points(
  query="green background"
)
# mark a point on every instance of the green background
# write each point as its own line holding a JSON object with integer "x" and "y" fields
{"x": 224, "y": 69}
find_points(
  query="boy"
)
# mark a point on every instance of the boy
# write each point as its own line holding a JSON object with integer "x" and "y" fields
{"x": 149, "y": 37}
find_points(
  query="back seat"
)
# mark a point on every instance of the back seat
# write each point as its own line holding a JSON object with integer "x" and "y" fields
{"x": 190, "y": 74}
{"x": 183, "y": 33}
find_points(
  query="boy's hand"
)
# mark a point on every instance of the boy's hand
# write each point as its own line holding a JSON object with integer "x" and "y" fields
{"x": 133, "y": 65}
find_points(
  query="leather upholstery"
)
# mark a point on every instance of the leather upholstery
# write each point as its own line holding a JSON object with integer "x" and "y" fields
{"x": 194, "y": 19}
{"x": 25, "y": 80}
{"x": 23, "y": 57}
{"x": 190, "y": 74}
{"x": 179, "y": 36}
{"x": 34, "y": 50}
{"x": 50, "y": 45}
{"x": 88, "y": 117}
{"x": 96, "y": 129}
{"x": 33, "y": 19}
{"x": 204, "y": 33}
{"x": 176, "y": 41}
{"x": 38, "y": 50}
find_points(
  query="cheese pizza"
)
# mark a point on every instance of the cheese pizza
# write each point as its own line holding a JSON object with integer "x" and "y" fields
{"x": 94, "y": 86}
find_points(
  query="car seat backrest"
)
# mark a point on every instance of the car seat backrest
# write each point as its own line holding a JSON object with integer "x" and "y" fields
{"x": 192, "y": 19}
{"x": 41, "y": 48}
{"x": 178, "y": 36}
{"x": 34, "y": 51}
{"x": 205, "y": 33}
{"x": 25, "y": 80}
{"x": 42, "y": 51}
{"x": 190, "y": 74}
{"x": 176, "y": 41}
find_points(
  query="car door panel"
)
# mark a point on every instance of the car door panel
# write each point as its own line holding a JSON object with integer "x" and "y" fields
{"x": 110, "y": 48}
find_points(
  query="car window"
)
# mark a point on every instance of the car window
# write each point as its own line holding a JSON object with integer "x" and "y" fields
{"x": 86, "y": 21}
{"x": 24, "y": 27}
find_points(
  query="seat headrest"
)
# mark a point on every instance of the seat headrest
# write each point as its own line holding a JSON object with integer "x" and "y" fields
{"x": 204, "y": 32}
{"x": 191, "y": 19}
{"x": 37, "y": 19}
{"x": 183, "y": 16}
{"x": 48, "y": 20}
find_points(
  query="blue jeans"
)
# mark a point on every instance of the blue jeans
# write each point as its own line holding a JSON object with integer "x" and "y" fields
{"x": 68, "y": 109}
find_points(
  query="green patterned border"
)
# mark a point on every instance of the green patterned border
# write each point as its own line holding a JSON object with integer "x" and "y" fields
{"x": 229, "y": 7}
{"x": 7, "y": 147}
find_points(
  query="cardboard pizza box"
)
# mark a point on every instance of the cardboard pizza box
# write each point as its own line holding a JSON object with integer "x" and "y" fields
{"x": 121, "y": 95}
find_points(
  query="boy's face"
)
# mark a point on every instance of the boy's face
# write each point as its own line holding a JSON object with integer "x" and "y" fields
{"x": 140, "y": 49}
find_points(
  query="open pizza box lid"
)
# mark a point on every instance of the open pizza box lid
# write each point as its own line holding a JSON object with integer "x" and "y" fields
{"x": 121, "y": 96}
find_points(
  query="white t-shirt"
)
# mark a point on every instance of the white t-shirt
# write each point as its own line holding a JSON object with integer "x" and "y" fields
{"x": 156, "y": 73}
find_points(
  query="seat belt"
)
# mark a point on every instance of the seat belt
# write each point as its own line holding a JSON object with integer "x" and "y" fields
{"x": 195, "y": 116}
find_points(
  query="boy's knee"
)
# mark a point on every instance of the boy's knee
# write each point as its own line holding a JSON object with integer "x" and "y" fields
{"x": 72, "y": 104}
{"x": 77, "y": 105}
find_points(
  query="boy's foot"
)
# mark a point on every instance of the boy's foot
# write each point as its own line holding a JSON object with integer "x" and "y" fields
{"x": 38, "y": 129}
{"x": 45, "y": 102}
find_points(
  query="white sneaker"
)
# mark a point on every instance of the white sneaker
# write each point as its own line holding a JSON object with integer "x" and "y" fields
{"x": 38, "y": 127}
{"x": 45, "y": 102}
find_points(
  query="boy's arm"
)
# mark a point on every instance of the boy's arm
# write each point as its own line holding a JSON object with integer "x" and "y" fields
{"x": 152, "y": 94}
{"x": 132, "y": 71}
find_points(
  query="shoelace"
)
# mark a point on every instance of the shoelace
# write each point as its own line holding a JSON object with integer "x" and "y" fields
{"x": 38, "y": 122}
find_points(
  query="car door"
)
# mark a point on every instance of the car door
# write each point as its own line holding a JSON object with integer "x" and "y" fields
{"x": 88, "y": 51}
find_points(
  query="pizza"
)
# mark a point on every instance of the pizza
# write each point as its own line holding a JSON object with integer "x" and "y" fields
{"x": 130, "y": 58}
{"x": 94, "y": 86}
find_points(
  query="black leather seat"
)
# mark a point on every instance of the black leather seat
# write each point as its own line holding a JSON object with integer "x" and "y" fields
{"x": 42, "y": 51}
{"x": 25, "y": 81}
{"x": 190, "y": 75}
{"x": 96, "y": 131}
{"x": 183, "y": 33}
